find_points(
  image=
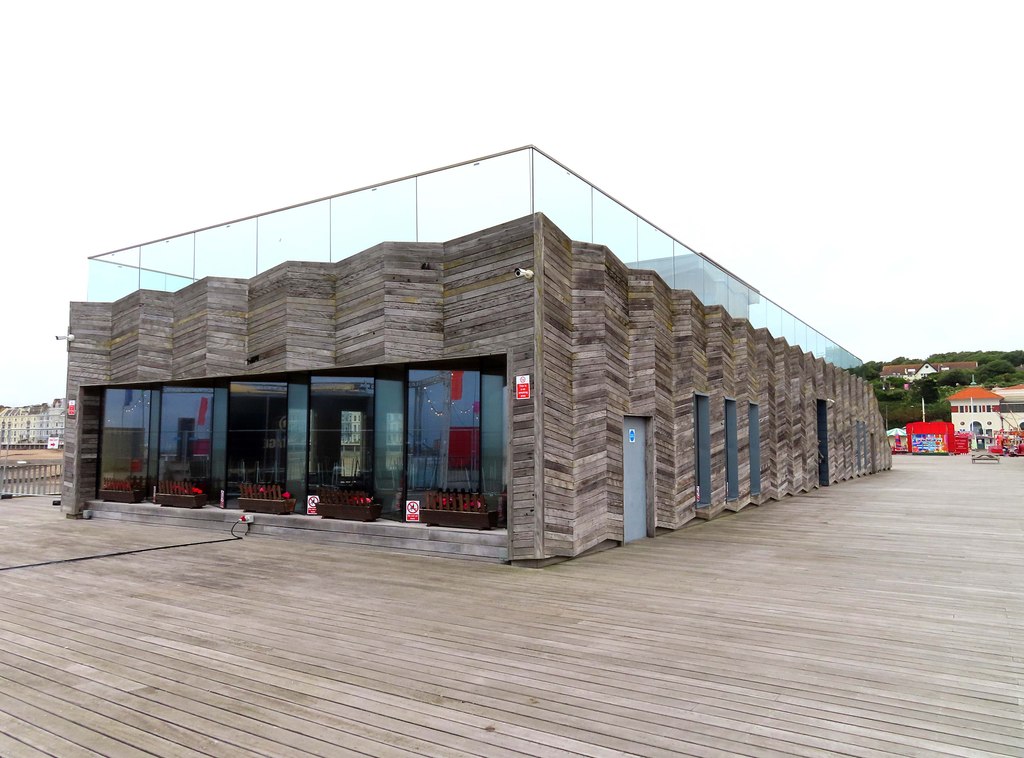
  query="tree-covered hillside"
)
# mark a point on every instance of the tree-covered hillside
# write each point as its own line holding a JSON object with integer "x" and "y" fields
{"x": 900, "y": 406}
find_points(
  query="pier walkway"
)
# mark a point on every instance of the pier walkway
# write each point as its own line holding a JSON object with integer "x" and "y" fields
{"x": 882, "y": 616}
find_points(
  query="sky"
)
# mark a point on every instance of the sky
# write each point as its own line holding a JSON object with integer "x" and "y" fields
{"x": 862, "y": 164}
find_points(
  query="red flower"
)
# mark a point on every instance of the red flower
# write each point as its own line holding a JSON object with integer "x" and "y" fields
{"x": 196, "y": 491}
{"x": 286, "y": 495}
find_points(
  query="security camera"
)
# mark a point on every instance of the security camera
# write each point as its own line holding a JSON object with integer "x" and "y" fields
{"x": 524, "y": 273}
{"x": 68, "y": 337}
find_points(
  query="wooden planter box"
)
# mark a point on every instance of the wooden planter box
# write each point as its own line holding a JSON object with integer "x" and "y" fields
{"x": 464, "y": 519}
{"x": 122, "y": 496}
{"x": 349, "y": 512}
{"x": 267, "y": 505}
{"x": 181, "y": 501}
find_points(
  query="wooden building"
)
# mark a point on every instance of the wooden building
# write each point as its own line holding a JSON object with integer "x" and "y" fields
{"x": 646, "y": 408}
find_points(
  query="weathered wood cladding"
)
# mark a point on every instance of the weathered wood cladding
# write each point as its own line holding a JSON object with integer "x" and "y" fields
{"x": 89, "y": 358}
{"x": 600, "y": 340}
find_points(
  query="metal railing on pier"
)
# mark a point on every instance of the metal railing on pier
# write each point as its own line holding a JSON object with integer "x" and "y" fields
{"x": 31, "y": 479}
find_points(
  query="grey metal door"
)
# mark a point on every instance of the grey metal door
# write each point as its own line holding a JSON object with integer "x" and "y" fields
{"x": 634, "y": 478}
{"x": 823, "y": 474}
{"x": 702, "y": 448}
{"x": 732, "y": 455}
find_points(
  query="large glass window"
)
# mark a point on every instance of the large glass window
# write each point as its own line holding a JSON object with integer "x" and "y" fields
{"x": 124, "y": 447}
{"x": 341, "y": 433}
{"x": 186, "y": 441}
{"x": 443, "y": 449}
{"x": 389, "y": 441}
{"x": 494, "y": 440}
{"x": 257, "y": 434}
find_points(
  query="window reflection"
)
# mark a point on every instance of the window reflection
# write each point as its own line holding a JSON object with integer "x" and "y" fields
{"x": 389, "y": 441}
{"x": 124, "y": 445}
{"x": 186, "y": 420}
{"x": 494, "y": 441}
{"x": 257, "y": 434}
{"x": 443, "y": 448}
{"x": 341, "y": 433}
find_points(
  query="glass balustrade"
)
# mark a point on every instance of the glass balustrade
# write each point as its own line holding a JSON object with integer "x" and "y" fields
{"x": 437, "y": 206}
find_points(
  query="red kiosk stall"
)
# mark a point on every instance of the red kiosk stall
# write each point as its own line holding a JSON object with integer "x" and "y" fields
{"x": 930, "y": 437}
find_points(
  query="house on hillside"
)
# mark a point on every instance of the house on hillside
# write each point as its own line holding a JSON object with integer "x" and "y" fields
{"x": 913, "y": 371}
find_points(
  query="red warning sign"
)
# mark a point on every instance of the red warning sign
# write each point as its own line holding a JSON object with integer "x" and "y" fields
{"x": 523, "y": 387}
{"x": 412, "y": 510}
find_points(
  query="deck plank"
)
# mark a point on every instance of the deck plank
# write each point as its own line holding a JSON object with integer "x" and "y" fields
{"x": 881, "y": 617}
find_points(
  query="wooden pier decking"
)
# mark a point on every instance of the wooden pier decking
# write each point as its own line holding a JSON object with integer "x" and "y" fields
{"x": 881, "y": 616}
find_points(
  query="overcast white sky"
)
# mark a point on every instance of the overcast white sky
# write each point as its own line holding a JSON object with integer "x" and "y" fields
{"x": 862, "y": 164}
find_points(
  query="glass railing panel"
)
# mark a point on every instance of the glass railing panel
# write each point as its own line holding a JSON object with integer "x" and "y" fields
{"x": 466, "y": 199}
{"x": 800, "y": 333}
{"x": 295, "y": 234}
{"x": 758, "y": 311}
{"x": 773, "y": 318}
{"x": 363, "y": 219}
{"x": 228, "y": 250}
{"x": 788, "y": 328}
{"x": 564, "y": 198}
{"x": 158, "y": 280}
{"x": 129, "y": 257}
{"x": 111, "y": 281}
{"x": 174, "y": 256}
{"x": 689, "y": 271}
{"x": 716, "y": 285}
{"x": 739, "y": 299}
{"x": 615, "y": 228}
{"x": 810, "y": 343}
{"x": 654, "y": 251}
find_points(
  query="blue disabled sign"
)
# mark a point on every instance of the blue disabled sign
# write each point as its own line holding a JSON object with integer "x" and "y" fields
{"x": 632, "y": 435}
